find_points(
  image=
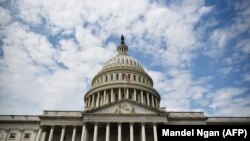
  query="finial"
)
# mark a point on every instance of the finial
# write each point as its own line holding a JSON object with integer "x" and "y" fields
{"x": 122, "y": 39}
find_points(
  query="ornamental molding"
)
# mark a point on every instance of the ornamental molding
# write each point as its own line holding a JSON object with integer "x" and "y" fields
{"x": 135, "y": 118}
{"x": 125, "y": 108}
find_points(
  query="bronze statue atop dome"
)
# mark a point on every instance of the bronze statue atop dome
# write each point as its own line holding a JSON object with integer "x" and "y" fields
{"x": 122, "y": 39}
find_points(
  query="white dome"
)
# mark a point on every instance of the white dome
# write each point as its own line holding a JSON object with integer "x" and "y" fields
{"x": 123, "y": 60}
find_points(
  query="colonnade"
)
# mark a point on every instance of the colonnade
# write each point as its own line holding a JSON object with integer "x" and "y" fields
{"x": 107, "y": 134}
{"x": 111, "y": 95}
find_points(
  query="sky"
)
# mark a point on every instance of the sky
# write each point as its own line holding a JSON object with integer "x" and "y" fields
{"x": 196, "y": 51}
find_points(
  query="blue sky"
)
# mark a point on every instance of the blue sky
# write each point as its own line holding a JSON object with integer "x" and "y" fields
{"x": 196, "y": 51}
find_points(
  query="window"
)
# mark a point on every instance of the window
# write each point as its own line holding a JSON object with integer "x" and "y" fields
{"x": 12, "y": 135}
{"x": 123, "y": 76}
{"x": 117, "y": 76}
{"x": 134, "y": 77}
{"x": 111, "y": 76}
{"x": 139, "y": 79}
{"x": 26, "y": 135}
{"x": 106, "y": 78}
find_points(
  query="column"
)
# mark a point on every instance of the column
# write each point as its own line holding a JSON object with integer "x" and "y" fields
{"x": 143, "y": 134}
{"x": 127, "y": 94}
{"x": 74, "y": 134}
{"x": 148, "y": 103}
{"x": 153, "y": 103}
{"x": 98, "y": 99}
{"x": 134, "y": 94}
{"x": 119, "y": 131}
{"x": 155, "y": 132}
{"x": 95, "y": 132}
{"x": 119, "y": 94}
{"x": 107, "y": 132}
{"x": 142, "y": 100}
{"x": 51, "y": 133}
{"x": 89, "y": 101}
{"x": 7, "y": 134}
{"x": 105, "y": 99}
{"x": 39, "y": 134}
{"x": 62, "y": 133}
{"x": 112, "y": 96}
{"x": 93, "y": 100}
{"x": 21, "y": 132}
{"x": 83, "y": 137}
{"x": 131, "y": 132}
{"x": 155, "y": 99}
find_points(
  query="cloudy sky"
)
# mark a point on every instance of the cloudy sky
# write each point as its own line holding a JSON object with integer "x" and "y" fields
{"x": 197, "y": 52}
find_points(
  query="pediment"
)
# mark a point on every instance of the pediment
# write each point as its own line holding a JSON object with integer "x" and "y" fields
{"x": 124, "y": 107}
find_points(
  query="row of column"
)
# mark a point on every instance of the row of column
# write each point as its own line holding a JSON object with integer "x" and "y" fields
{"x": 62, "y": 134}
{"x": 95, "y": 137}
{"x": 131, "y": 127}
{"x": 99, "y": 99}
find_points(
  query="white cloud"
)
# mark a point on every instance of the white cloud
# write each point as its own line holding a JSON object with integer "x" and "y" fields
{"x": 30, "y": 72}
{"x": 226, "y": 70}
{"x": 179, "y": 86}
{"x": 4, "y": 16}
{"x": 221, "y": 36}
{"x": 244, "y": 46}
{"x": 246, "y": 77}
{"x": 230, "y": 101}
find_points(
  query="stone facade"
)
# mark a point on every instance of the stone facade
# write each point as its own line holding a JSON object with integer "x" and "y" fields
{"x": 122, "y": 105}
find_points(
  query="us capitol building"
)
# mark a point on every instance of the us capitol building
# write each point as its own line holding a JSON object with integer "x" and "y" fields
{"x": 122, "y": 105}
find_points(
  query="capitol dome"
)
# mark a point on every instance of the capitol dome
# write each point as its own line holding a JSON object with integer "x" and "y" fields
{"x": 122, "y": 77}
{"x": 123, "y": 61}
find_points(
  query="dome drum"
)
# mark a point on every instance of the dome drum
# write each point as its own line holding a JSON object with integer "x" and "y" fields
{"x": 103, "y": 97}
{"x": 117, "y": 76}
